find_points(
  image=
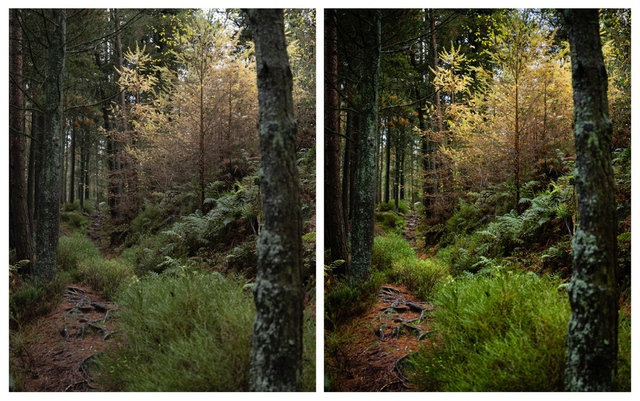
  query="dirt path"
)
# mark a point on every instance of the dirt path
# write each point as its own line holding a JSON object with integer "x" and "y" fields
{"x": 395, "y": 327}
{"x": 59, "y": 346}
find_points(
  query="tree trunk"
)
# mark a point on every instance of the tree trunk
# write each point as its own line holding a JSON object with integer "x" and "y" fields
{"x": 387, "y": 166}
{"x": 48, "y": 203}
{"x": 277, "y": 331}
{"x": 592, "y": 339}
{"x": 335, "y": 237}
{"x": 364, "y": 185}
{"x": 19, "y": 227}
{"x": 72, "y": 168}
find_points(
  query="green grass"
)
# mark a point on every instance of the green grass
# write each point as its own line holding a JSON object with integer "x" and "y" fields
{"x": 189, "y": 332}
{"x": 500, "y": 333}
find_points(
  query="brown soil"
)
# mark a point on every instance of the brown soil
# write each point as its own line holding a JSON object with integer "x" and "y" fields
{"x": 380, "y": 340}
{"x": 58, "y": 348}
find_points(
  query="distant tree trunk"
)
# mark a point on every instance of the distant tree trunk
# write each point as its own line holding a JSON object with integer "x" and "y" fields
{"x": 364, "y": 185}
{"x": 387, "y": 166}
{"x": 19, "y": 227}
{"x": 48, "y": 203}
{"x": 72, "y": 175}
{"x": 592, "y": 340}
{"x": 335, "y": 237}
{"x": 277, "y": 331}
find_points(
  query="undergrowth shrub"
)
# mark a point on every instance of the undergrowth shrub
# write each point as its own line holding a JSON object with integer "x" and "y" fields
{"x": 389, "y": 248}
{"x": 106, "y": 275}
{"x": 390, "y": 206}
{"x": 390, "y": 222}
{"x": 183, "y": 333}
{"x": 74, "y": 221}
{"x": 420, "y": 276}
{"x": 73, "y": 249}
{"x": 344, "y": 301}
{"x": 501, "y": 332}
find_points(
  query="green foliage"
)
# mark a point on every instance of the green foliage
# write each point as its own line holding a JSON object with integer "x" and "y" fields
{"x": 149, "y": 221}
{"x": 28, "y": 301}
{"x": 344, "y": 301}
{"x": 183, "y": 333}
{"x": 388, "y": 249}
{"x": 390, "y": 222}
{"x": 106, "y": 275}
{"x": 624, "y": 349}
{"x": 74, "y": 221}
{"x": 390, "y": 206}
{"x": 423, "y": 277}
{"x": 501, "y": 333}
{"x": 74, "y": 249}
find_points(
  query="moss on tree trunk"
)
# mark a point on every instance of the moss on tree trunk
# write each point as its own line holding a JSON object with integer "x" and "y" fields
{"x": 364, "y": 185}
{"x": 592, "y": 345}
{"x": 48, "y": 204}
{"x": 277, "y": 332}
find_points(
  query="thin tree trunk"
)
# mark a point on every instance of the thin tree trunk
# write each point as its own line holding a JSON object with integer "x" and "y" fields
{"x": 335, "y": 237}
{"x": 278, "y": 292}
{"x": 72, "y": 168}
{"x": 592, "y": 339}
{"x": 48, "y": 205}
{"x": 19, "y": 227}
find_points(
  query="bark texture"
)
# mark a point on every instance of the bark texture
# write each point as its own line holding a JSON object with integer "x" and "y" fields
{"x": 19, "y": 228}
{"x": 50, "y": 179}
{"x": 364, "y": 183}
{"x": 592, "y": 340}
{"x": 278, "y": 292}
{"x": 335, "y": 236}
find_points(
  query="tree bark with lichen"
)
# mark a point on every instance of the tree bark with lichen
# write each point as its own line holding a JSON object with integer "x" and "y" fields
{"x": 48, "y": 205}
{"x": 364, "y": 185}
{"x": 592, "y": 339}
{"x": 277, "y": 332}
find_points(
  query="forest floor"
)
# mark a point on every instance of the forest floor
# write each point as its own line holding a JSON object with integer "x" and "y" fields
{"x": 396, "y": 326}
{"x": 60, "y": 346}
{"x": 57, "y": 349}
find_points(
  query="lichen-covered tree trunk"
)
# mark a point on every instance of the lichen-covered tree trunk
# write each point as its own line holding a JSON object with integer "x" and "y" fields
{"x": 277, "y": 332}
{"x": 19, "y": 228}
{"x": 592, "y": 345}
{"x": 364, "y": 183}
{"x": 335, "y": 236}
{"x": 48, "y": 204}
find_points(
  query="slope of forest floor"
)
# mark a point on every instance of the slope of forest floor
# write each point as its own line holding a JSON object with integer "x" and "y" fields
{"x": 62, "y": 344}
{"x": 394, "y": 327}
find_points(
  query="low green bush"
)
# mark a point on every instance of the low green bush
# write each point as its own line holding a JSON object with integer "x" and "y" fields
{"x": 344, "y": 301}
{"x": 390, "y": 222}
{"x": 73, "y": 249}
{"x": 106, "y": 275}
{"x": 420, "y": 276}
{"x": 503, "y": 332}
{"x": 390, "y": 248}
{"x": 183, "y": 333}
{"x": 74, "y": 221}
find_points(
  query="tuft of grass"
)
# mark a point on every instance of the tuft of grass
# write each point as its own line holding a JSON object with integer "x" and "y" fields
{"x": 106, "y": 275}
{"x": 390, "y": 248}
{"x": 344, "y": 301}
{"x": 74, "y": 249}
{"x": 504, "y": 332}
{"x": 183, "y": 333}
{"x": 390, "y": 222}
{"x": 422, "y": 277}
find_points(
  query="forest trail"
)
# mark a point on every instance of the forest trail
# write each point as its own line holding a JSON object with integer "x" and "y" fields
{"x": 61, "y": 345}
{"x": 396, "y": 326}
